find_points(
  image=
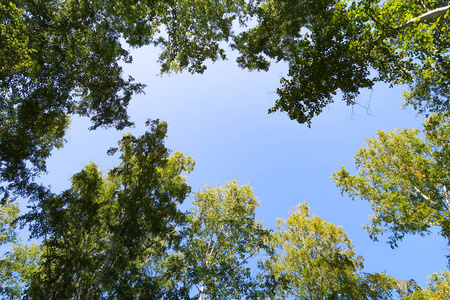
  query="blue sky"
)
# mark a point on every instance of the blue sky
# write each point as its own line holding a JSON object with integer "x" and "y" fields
{"x": 221, "y": 119}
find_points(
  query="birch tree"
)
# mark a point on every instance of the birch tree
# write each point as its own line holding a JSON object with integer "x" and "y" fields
{"x": 223, "y": 236}
{"x": 19, "y": 261}
{"x": 438, "y": 287}
{"x": 405, "y": 176}
{"x": 100, "y": 237}
{"x": 314, "y": 259}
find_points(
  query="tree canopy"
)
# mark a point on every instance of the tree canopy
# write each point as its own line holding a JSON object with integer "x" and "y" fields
{"x": 344, "y": 46}
{"x": 222, "y": 237}
{"x": 122, "y": 235}
{"x": 438, "y": 288}
{"x": 100, "y": 235}
{"x": 19, "y": 261}
{"x": 314, "y": 259}
{"x": 63, "y": 58}
{"x": 404, "y": 174}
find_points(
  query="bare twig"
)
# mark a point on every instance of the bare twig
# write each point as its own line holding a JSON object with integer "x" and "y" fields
{"x": 423, "y": 4}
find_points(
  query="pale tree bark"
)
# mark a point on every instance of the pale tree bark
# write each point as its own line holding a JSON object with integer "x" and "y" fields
{"x": 202, "y": 288}
{"x": 446, "y": 197}
{"x": 416, "y": 20}
{"x": 423, "y": 17}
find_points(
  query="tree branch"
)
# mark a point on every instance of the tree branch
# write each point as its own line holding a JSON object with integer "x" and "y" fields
{"x": 423, "y": 17}
{"x": 423, "y": 4}
{"x": 210, "y": 250}
{"x": 447, "y": 201}
{"x": 423, "y": 195}
{"x": 105, "y": 268}
{"x": 420, "y": 19}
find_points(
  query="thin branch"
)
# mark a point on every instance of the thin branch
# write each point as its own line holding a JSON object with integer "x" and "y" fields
{"x": 423, "y": 4}
{"x": 373, "y": 18}
{"x": 202, "y": 290}
{"x": 423, "y": 195}
{"x": 447, "y": 201}
{"x": 211, "y": 254}
{"x": 211, "y": 249}
{"x": 193, "y": 283}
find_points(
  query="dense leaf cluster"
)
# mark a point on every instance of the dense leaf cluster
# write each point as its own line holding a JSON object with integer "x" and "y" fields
{"x": 340, "y": 46}
{"x": 405, "y": 178}
{"x": 314, "y": 259}
{"x": 63, "y": 58}
{"x": 99, "y": 235}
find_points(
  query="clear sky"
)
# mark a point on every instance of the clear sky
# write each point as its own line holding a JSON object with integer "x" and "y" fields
{"x": 221, "y": 119}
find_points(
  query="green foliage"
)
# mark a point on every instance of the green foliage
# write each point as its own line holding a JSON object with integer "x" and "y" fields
{"x": 15, "y": 54}
{"x": 8, "y": 215}
{"x": 344, "y": 46}
{"x": 100, "y": 236}
{"x": 314, "y": 259}
{"x": 122, "y": 236}
{"x": 63, "y": 58}
{"x": 19, "y": 262}
{"x": 405, "y": 178}
{"x": 221, "y": 237}
{"x": 197, "y": 31}
{"x": 438, "y": 288}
